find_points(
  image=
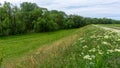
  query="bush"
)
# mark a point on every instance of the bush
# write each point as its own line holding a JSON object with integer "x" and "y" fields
{"x": 69, "y": 24}
{"x": 43, "y": 25}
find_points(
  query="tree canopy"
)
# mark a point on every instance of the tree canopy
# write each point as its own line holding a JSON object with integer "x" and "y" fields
{"x": 29, "y": 17}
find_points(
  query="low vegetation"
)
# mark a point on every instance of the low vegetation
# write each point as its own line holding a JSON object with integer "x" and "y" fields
{"x": 94, "y": 48}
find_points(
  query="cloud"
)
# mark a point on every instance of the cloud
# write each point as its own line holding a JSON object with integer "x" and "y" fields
{"x": 87, "y": 8}
{"x": 91, "y": 5}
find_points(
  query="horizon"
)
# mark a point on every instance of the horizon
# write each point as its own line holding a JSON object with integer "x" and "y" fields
{"x": 86, "y": 8}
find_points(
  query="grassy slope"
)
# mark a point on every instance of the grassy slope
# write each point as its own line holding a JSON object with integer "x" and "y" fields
{"x": 44, "y": 53}
{"x": 95, "y": 48}
{"x": 16, "y": 46}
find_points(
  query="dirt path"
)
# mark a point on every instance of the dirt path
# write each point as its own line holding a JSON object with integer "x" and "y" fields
{"x": 108, "y": 28}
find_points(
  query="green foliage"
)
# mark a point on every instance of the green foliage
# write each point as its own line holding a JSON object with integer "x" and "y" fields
{"x": 58, "y": 17}
{"x": 78, "y": 21}
{"x": 6, "y": 27}
{"x": 20, "y": 27}
{"x": 69, "y": 24}
{"x": 42, "y": 25}
{"x": 30, "y": 17}
{"x": 27, "y": 6}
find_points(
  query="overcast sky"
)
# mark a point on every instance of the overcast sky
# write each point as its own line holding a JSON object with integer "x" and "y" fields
{"x": 87, "y": 8}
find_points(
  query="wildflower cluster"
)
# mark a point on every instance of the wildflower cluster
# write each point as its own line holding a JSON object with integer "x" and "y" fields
{"x": 98, "y": 46}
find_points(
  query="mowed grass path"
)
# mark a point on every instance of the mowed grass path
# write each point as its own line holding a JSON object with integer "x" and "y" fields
{"x": 115, "y": 26}
{"x": 16, "y": 46}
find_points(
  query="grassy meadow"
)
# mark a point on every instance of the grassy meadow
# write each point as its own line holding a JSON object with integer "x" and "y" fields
{"x": 87, "y": 47}
{"x": 15, "y": 46}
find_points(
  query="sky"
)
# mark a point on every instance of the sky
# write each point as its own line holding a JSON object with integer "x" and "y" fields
{"x": 86, "y": 8}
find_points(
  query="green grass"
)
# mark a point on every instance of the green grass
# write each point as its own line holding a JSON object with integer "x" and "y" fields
{"x": 16, "y": 46}
{"x": 95, "y": 48}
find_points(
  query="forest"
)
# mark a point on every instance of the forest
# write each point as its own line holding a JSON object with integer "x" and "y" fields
{"x": 29, "y": 17}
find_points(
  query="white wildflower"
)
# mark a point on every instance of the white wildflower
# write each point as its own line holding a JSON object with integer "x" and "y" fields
{"x": 85, "y": 46}
{"x": 107, "y": 52}
{"x": 110, "y": 51}
{"x": 117, "y": 50}
{"x": 91, "y": 63}
{"x": 98, "y": 47}
{"x": 100, "y": 52}
{"x": 106, "y": 37}
{"x": 82, "y": 53}
{"x": 87, "y": 57}
{"x": 118, "y": 40}
{"x": 93, "y": 56}
{"x": 92, "y": 50}
{"x": 105, "y": 43}
{"x": 93, "y": 36}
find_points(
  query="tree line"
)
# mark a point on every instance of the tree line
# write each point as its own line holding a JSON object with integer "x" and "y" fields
{"x": 29, "y": 17}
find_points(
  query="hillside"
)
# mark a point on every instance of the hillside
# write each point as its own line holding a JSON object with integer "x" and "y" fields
{"x": 12, "y": 47}
{"x": 90, "y": 46}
